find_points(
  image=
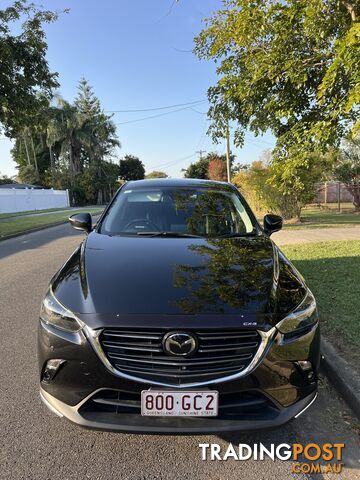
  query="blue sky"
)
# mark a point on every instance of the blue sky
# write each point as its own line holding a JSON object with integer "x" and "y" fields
{"x": 137, "y": 55}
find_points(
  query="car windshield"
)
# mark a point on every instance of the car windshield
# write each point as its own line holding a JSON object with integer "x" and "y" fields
{"x": 177, "y": 211}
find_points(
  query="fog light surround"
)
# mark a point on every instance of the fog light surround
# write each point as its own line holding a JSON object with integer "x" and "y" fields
{"x": 51, "y": 369}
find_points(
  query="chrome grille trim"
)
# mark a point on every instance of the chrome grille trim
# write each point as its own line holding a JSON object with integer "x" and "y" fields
{"x": 175, "y": 376}
{"x": 152, "y": 361}
{"x": 135, "y": 348}
{"x": 227, "y": 374}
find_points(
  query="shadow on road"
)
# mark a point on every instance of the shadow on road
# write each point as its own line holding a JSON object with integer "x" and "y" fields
{"x": 35, "y": 240}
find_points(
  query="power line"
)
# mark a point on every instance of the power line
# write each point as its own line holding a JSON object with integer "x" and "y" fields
{"x": 156, "y": 108}
{"x": 152, "y": 116}
{"x": 174, "y": 162}
{"x": 200, "y": 152}
{"x": 197, "y": 111}
{"x": 202, "y": 138}
{"x": 258, "y": 142}
{"x": 168, "y": 12}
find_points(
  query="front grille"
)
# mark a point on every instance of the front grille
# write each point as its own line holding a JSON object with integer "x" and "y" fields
{"x": 140, "y": 353}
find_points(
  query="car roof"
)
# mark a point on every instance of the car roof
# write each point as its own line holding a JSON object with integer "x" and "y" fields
{"x": 175, "y": 182}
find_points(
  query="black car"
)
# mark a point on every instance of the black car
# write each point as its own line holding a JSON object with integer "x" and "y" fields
{"x": 177, "y": 313}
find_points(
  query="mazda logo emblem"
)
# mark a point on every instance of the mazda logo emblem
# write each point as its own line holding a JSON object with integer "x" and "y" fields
{"x": 180, "y": 344}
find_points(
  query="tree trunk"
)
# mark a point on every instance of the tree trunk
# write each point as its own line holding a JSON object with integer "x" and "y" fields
{"x": 27, "y": 151}
{"x": 34, "y": 154}
{"x": 71, "y": 162}
{"x": 99, "y": 197}
{"x": 52, "y": 164}
{"x": 350, "y": 8}
{"x": 354, "y": 189}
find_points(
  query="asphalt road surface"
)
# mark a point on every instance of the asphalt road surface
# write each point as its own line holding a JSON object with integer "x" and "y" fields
{"x": 35, "y": 444}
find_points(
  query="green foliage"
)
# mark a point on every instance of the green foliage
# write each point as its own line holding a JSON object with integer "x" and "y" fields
{"x": 200, "y": 169}
{"x": 98, "y": 182}
{"x": 131, "y": 168}
{"x": 330, "y": 271}
{"x": 156, "y": 174}
{"x": 4, "y": 180}
{"x": 280, "y": 188}
{"x": 253, "y": 183}
{"x": 70, "y": 146}
{"x": 347, "y": 168}
{"x": 296, "y": 181}
{"x": 292, "y": 67}
{"x": 24, "y": 69}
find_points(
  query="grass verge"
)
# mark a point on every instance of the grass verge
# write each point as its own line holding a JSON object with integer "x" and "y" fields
{"x": 332, "y": 271}
{"x": 30, "y": 212}
{"x": 18, "y": 224}
{"x": 330, "y": 218}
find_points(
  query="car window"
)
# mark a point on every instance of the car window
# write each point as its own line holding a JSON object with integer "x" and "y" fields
{"x": 198, "y": 211}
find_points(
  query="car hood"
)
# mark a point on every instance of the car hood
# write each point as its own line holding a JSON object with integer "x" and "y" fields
{"x": 111, "y": 279}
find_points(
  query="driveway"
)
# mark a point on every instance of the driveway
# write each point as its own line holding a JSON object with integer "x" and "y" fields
{"x": 309, "y": 235}
{"x": 36, "y": 445}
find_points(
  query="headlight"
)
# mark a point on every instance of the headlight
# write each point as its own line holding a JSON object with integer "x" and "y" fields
{"x": 304, "y": 315}
{"x": 54, "y": 313}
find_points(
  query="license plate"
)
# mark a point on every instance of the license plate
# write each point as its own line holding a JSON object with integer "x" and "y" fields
{"x": 179, "y": 404}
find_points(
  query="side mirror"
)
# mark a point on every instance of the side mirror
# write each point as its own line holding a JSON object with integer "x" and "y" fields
{"x": 272, "y": 223}
{"x": 81, "y": 221}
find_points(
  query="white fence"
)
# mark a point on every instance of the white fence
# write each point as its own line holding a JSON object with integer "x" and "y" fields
{"x": 21, "y": 200}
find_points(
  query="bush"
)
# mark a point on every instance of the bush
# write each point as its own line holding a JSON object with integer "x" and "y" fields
{"x": 253, "y": 184}
{"x": 283, "y": 187}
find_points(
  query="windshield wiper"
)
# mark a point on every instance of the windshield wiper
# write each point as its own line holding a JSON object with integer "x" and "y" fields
{"x": 168, "y": 234}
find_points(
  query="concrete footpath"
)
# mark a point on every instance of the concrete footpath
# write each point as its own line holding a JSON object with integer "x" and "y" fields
{"x": 309, "y": 235}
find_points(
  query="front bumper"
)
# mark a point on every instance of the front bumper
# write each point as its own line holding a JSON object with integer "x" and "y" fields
{"x": 135, "y": 423}
{"x": 89, "y": 394}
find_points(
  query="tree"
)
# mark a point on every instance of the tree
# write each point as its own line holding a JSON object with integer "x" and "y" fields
{"x": 70, "y": 146}
{"x": 5, "y": 180}
{"x": 24, "y": 69}
{"x": 292, "y": 67}
{"x": 347, "y": 169}
{"x": 198, "y": 169}
{"x": 156, "y": 174}
{"x": 217, "y": 170}
{"x": 98, "y": 186}
{"x": 296, "y": 182}
{"x": 269, "y": 186}
{"x": 98, "y": 137}
{"x": 253, "y": 184}
{"x": 131, "y": 168}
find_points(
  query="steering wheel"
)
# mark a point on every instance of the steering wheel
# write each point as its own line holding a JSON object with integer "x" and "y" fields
{"x": 142, "y": 222}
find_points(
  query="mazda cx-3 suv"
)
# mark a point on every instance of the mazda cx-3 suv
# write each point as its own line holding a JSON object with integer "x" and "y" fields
{"x": 178, "y": 313}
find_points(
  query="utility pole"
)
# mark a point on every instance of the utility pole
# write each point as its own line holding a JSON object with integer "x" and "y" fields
{"x": 228, "y": 155}
{"x": 200, "y": 152}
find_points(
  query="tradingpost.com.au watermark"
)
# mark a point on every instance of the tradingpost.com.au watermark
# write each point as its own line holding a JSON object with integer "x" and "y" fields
{"x": 315, "y": 458}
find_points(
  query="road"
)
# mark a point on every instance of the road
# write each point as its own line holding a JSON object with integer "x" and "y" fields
{"x": 35, "y": 444}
